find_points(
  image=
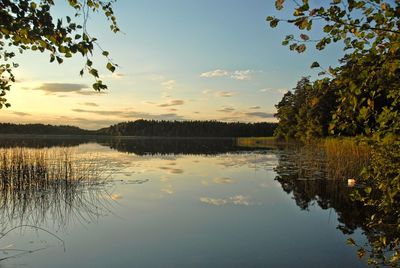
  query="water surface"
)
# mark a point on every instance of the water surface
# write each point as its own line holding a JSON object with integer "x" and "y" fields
{"x": 183, "y": 203}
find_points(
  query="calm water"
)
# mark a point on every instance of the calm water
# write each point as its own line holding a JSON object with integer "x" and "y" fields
{"x": 182, "y": 203}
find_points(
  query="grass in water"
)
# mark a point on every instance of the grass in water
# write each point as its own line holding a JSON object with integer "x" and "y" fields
{"x": 336, "y": 159}
{"x": 49, "y": 187}
{"x": 22, "y": 169}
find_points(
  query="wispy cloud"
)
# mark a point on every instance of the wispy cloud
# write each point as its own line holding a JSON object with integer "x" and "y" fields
{"x": 172, "y": 103}
{"x": 215, "y": 73}
{"x": 91, "y": 104}
{"x": 55, "y": 88}
{"x": 61, "y": 87}
{"x": 254, "y": 107}
{"x": 260, "y": 114}
{"x": 237, "y": 74}
{"x": 131, "y": 115}
{"x": 225, "y": 94}
{"x": 242, "y": 74}
{"x": 169, "y": 84}
{"x": 20, "y": 113}
{"x": 226, "y": 110}
{"x": 274, "y": 90}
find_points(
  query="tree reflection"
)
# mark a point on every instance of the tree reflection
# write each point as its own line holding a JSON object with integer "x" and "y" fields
{"x": 372, "y": 206}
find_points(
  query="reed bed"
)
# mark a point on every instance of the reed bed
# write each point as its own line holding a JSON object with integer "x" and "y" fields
{"x": 37, "y": 184}
{"x": 335, "y": 159}
{"x": 346, "y": 158}
{"x": 23, "y": 169}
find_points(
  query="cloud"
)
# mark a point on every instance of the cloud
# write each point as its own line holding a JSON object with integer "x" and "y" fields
{"x": 242, "y": 74}
{"x": 117, "y": 75}
{"x": 254, "y": 107}
{"x": 20, "y": 113}
{"x": 172, "y": 103}
{"x": 226, "y": 110}
{"x": 275, "y": 90}
{"x": 224, "y": 94}
{"x": 215, "y": 73}
{"x": 237, "y": 75}
{"x": 131, "y": 115}
{"x": 91, "y": 92}
{"x": 260, "y": 114}
{"x": 169, "y": 84}
{"x": 91, "y": 104}
{"x": 148, "y": 102}
{"x": 61, "y": 87}
{"x": 56, "y": 88}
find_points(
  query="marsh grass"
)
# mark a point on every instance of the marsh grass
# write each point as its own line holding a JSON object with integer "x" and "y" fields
{"x": 55, "y": 183}
{"x": 50, "y": 188}
{"x": 335, "y": 159}
{"x": 23, "y": 168}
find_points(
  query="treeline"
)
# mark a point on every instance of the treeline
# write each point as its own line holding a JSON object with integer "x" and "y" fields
{"x": 151, "y": 128}
{"x": 41, "y": 129}
{"x": 190, "y": 129}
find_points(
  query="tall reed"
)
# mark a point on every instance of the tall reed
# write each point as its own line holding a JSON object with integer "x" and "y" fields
{"x": 23, "y": 169}
{"x": 334, "y": 159}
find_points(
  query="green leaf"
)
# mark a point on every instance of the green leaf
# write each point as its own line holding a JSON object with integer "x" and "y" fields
{"x": 94, "y": 72}
{"x": 315, "y": 65}
{"x": 368, "y": 190}
{"x": 110, "y": 67}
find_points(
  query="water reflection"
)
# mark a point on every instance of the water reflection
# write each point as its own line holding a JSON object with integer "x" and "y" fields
{"x": 138, "y": 146}
{"x": 370, "y": 206}
{"x": 218, "y": 198}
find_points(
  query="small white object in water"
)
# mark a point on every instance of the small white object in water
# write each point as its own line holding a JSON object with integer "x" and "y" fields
{"x": 351, "y": 182}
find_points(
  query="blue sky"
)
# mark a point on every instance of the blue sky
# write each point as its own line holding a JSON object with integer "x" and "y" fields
{"x": 179, "y": 59}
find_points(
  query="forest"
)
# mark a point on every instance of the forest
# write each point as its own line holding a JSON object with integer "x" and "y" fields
{"x": 190, "y": 129}
{"x": 151, "y": 128}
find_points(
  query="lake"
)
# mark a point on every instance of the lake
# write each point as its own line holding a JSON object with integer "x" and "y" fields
{"x": 182, "y": 203}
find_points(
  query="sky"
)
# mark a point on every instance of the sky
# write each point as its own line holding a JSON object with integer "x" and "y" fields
{"x": 178, "y": 60}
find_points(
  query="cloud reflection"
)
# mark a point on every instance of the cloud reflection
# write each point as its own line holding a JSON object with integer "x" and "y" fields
{"x": 238, "y": 200}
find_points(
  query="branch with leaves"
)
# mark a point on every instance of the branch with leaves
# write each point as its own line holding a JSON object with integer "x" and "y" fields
{"x": 27, "y": 25}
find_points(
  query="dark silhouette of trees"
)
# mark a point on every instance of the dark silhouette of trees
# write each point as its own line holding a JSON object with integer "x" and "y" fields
{"x": 41, "y": 129}
{"x": 151, "y": 128}
{"x": 189, "y": 129}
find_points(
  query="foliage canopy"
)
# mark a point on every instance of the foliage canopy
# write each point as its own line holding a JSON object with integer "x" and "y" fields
{"x": 31, "y": 25}
{"x": 364, "y": 88}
